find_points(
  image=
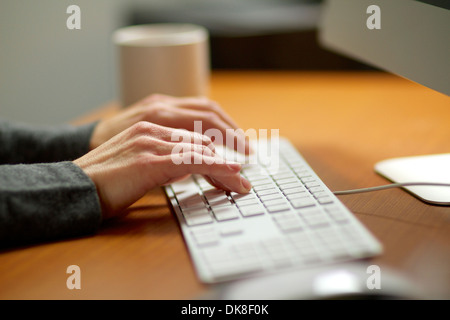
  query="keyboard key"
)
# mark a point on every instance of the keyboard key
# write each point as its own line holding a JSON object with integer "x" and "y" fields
{"x": 226, "y": 213}
{"x": 284, "y": 187}
{"x": 295, "y": 196}
{"x": 302, "y": 173}
{"x": 299, "y": 167}
{"x": 224, "y": 202}
{"x": 293, "y": 159}
{"x": 288, "y": 222}
{"x": 267, "y": 191}
{"x": 277, "y": 252}
{"x": 337, "y": 213}
{"x": 198, "y": 216}
{"x": 202, "y": 182}
{"x": 205, "y": 236}
{"x": 278, "y": 207}
{"x": 311, "y": 184}
{"x": 295, "y": 190}
{"x": 280, "y": 169}
{"x": 331, "y": 242}
{"x": 302, "y": 202}
{"x": 273, "y": 196}
{"x": 209, "y": 188}
{"x": 285, "y": 181}
{"x": 305, "y": 249}
{"x": 320, "y": 194}
{"x": 317, "y": 189}
{"x": 283, "y": 175}
{"x": 230, "y": 229}
{"x": 272, "y": 202}
{"x": 192, "y": 202}
{"x": 226, "y": 262}
{"x": 217, "y": 255}
{"x": 252, "y": 210}
{"x": 247, "y": 202}
{"x": 260, "y": 182}
{"x": 308, "y": 179}
{"x": 237, "y": 197}
{"x": 254, "y": 171}
{"x": 215, "y": 196}
{"x": 325, "y": 199}
{"x": 187, "y": 185}
{"x": 247, "y": 252}
{"x": 314, "y": 216}
{"x": 264, "y": 187}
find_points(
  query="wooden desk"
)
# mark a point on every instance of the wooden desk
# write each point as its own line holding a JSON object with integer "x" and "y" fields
{"x": 343, "y": 123}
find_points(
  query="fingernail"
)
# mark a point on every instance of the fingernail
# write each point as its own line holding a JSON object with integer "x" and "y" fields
{"x": 246, "y": 184}
{"x": 235, "y": 167}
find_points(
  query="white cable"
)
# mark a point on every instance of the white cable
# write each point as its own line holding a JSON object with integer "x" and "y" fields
{"x": 389, "y": 186}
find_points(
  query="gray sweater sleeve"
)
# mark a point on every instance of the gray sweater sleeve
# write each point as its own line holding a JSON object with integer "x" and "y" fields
{"x": 45, "y": 201}
{"x": 22, "y": 143}
{"x": 41, "y": 202}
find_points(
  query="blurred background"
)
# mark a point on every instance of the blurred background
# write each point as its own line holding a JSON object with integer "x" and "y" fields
{"x": 49, "y": 74}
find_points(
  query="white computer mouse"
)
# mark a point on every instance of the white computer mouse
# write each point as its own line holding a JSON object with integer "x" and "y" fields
{"x": 355, "y": 280}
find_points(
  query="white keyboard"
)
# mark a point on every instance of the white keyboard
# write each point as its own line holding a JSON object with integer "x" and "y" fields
{"x": 289, "y": 219}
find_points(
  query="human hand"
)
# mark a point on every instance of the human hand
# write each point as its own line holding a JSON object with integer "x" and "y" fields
{"x": 141, "y": 157}
{"x": 175, "y": 113}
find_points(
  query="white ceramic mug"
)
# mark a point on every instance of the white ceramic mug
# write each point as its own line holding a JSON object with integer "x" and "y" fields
{"x": 169, "y": 58}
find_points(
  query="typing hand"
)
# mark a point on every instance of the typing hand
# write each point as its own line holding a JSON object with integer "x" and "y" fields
{"x": 175, "y": 113}
{"x": 142, "y": 157}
